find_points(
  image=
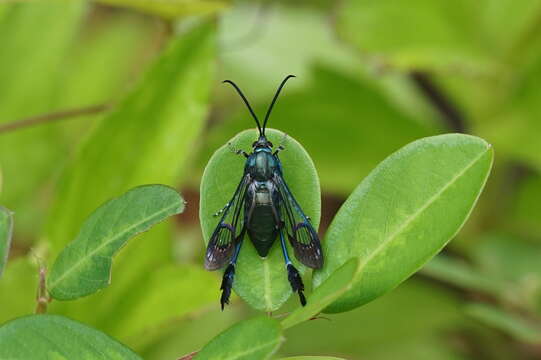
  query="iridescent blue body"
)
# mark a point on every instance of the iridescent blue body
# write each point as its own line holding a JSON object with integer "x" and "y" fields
{"x": 264, "y": 207}
{"x": 261, "y": 215}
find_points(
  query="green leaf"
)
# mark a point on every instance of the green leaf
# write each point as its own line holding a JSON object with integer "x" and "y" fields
{"x": 84, "y": 266}
{"x": 261, "y": 282}
{"x": 168, "y": 293}
{"x": 254, "y": 339}
{"x": 6, "y": 230}
{"x": 463, "y": 275}
{"x": 55, "y": 337}
{"x": 331, "y": 289}
{"x": 147, "y": 138}
{"x": 121, "y": 43}
{"x": 509, "y": 323}
{"x": 425, "y": 34}
{"x": 32, "y": 68}
{"x": 171, "y": 9}
{"x": 404, "y": 213}
{"x": 18, "y": 288}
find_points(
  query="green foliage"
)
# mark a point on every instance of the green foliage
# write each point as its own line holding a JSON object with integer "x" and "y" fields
{"x": 145, "y": 138}
{"x": 372, "y": 77}
{"x": 312, "y": 358}
{"x": 171, "y": 9}
{"x": 331, "y": 289}
{"x": 433, "y": 34}
{"x": 527, "y": 207}
{"x": 84, "y": 266}
{"x": 169, "y": 293}
{"x": 55, "y": 337}
{"x": 462, "y": 274}
{"x": 19, "y": 281}
{"x": 512, "y": 324}
{"x": 257, "y": 338}
{"x": 6, "y": 231}
{"x": 404, "y": 212}
{"x": 261, "y": 282}
{"x": 32, "y": 59}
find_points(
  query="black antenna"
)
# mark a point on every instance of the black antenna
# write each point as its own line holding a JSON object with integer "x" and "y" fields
{"x": 247, "y": 104}
{"x": 274, "y": 100}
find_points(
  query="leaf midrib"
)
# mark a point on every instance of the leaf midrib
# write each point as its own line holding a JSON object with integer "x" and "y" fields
{"x": 254, "y": 349}
{"x": 107, "y": 242}
{"x": 414, "y": 216}
{"x": 268, "y": 290}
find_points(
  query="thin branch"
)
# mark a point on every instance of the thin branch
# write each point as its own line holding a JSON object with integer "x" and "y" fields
{"x": 450, "y": 113}
{"x": 189, "y": 356}
{"x": 51, "y": 117}
{"x": 42, "y": 298}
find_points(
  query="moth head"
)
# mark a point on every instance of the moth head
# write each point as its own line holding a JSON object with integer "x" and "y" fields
{"x": 262, "y": 142}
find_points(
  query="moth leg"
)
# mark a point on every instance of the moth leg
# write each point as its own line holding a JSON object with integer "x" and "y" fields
{"x": 282, "y": 144}
{"x": 229, "y": 273}
{"x": 293, "y": 274}
{"x": 237, "y": 151}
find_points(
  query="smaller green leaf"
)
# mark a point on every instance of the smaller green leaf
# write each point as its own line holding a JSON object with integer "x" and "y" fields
{"x": 254, "y": 339}
{"x": 335, "y": 285}
{"x": 171, "y": 9}
{"x": 6, "y": 230}
{"x": 49, "y": 337}
{"x": 85, "y": 264}
{"x": 509, "y": 323}
{"x": 404, "y": 213}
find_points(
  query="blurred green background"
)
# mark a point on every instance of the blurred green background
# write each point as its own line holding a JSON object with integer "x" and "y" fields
{"x": 372, "y": 76}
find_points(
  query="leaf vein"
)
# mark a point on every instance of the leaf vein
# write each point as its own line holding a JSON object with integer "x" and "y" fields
{"x": 107, "y": 242}
{"x": 413, "y": 216}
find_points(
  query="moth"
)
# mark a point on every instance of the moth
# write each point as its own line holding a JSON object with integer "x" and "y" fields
{"x": 263, "y": 207}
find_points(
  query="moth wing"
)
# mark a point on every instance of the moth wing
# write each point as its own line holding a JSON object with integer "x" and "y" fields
{"x": 229, "y": 229}
{"x": 302, "y": 235}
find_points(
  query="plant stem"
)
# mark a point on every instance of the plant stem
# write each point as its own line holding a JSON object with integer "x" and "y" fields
{"x": 50, "y": 117}
{"x": 42, "y": 298}
{"x": 189, "y": 356}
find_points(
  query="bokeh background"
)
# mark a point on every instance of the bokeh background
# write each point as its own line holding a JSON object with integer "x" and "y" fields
{"x": 372, "y": 76}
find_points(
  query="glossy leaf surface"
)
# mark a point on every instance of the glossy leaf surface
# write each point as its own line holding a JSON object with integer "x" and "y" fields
{"x": 404, "y": 213}
{"x": 254, "y": 339}
{"x": 45, "y": 337}
{"x": 85, "y": 264}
